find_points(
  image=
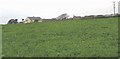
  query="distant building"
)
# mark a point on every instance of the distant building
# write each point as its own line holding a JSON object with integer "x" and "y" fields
{"x": 108, "y": 15}
{"x": 100, "y": 16}
{"x": 77, "y": 17}
{"x": 32, "y": 19}
{"x": 89, "y": 17}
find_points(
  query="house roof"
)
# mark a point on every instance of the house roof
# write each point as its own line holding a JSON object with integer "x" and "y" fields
{"x": 34, "y": 18}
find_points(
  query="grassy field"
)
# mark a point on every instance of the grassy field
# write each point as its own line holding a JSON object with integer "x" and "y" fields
{"x": 77, "y": 38}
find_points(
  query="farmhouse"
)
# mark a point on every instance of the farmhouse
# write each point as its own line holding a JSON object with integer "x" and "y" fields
{"x": 32, "y": 19}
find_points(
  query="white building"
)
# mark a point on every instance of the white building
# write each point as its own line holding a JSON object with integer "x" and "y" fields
{"x": 32, "y": 19}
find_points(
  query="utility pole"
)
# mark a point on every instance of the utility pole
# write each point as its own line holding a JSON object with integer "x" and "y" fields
{"x": 119, "y": 7}
{"x": 114, "y": 7}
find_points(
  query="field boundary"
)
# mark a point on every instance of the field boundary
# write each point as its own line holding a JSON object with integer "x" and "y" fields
{"x": 0, "y": 41}
{"x": 119, "y": 36}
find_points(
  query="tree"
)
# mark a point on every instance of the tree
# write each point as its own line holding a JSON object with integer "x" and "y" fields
{"x": 12, "y": 21}
{"x": 62, "y": 16}
{"x": 15, "y": 21}
{"x": 22, "y": 19}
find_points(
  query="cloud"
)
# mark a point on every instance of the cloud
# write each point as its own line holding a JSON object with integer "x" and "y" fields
{"x": 53, "y": 8}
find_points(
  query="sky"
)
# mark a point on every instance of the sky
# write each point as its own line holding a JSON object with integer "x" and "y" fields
{"x": 21, "y": 9}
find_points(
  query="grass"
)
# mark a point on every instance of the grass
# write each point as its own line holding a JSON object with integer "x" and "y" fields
{"x": 77, "y": 38}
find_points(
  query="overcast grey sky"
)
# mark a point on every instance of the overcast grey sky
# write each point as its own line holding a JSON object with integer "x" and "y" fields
{"x": 52, "y": 8}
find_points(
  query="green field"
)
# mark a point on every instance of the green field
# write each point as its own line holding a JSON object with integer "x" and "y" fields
{"x": 67, "y": 38}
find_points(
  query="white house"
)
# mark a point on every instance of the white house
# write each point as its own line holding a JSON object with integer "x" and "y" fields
{"x": 32, "y": 19}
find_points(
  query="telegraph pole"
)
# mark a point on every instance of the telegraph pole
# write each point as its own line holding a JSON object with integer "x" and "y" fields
{"x": 119, "y": 8}
{"x": 114, "y": 7}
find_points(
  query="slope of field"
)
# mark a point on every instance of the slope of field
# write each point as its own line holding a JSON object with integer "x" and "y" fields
{"x": 78, "y": 38}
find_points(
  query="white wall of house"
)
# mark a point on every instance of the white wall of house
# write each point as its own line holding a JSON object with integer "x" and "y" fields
{"x": 40, "y": 20}
{"x": 27, "y": 20}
